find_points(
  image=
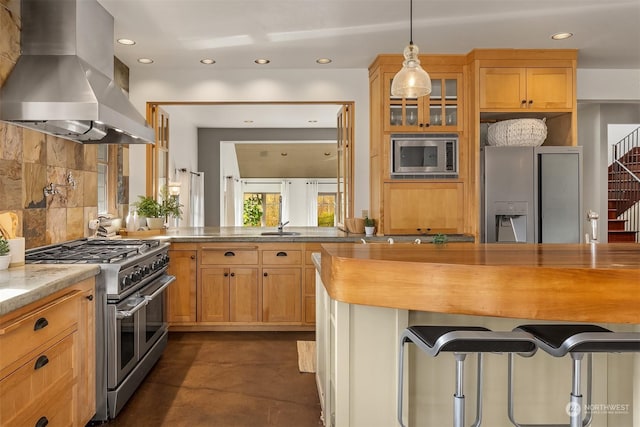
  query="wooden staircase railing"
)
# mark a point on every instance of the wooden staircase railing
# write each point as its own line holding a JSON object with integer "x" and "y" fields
{"x": 624, "y": 190}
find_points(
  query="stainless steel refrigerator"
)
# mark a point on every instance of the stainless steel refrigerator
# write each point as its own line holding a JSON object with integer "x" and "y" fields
{"x": 532, "y": 194}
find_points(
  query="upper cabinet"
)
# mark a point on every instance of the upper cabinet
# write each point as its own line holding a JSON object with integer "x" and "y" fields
{"x": 531, "y": 89}
{"x": 438, "y": 112}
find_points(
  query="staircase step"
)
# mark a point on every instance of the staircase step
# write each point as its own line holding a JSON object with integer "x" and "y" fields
{"x": 616, "y": 224}
{"x": 612, "y": 214}
{"x": 621, "y": 236}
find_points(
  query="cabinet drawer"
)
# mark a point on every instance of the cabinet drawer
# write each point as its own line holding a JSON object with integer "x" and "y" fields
{"x": 20, "y": 336}
{"x": 282, "y": 257}
{"x": 229, "y": 256}
{"x": 26, "y": 390}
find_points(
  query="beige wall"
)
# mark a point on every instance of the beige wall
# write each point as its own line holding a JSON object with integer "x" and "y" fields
{"x": 30, "y": 160}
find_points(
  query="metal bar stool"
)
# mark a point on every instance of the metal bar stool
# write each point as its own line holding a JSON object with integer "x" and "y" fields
{"x": 577, "y": 340}
{"x": 461, "y": 340}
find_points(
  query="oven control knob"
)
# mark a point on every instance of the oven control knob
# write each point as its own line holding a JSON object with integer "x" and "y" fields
{"x": 125, "y": 282}
{"x": 136, "y": 275}
{"x": 165, "y": 260}
{"x": 146, "y": 270}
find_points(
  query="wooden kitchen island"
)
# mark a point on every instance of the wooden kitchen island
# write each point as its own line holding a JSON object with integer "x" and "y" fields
{"x": 371, "y": 293}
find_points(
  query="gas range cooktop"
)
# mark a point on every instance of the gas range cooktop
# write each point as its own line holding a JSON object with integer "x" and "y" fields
{"x": 90, "y": 251}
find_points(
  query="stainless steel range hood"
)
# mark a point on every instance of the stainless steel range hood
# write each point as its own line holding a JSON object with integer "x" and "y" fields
{"x": 63, "y": 82}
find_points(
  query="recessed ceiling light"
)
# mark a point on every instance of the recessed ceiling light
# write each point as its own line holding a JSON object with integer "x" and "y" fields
{"x": 261, "y": 61}
{"x": 327, "y": 154}
{"x": 127, "y": 42}
{"x": 283, "y": 154}
{"x": 248, "y": 121}
{"x": 145, "y": 60}
{"x": 561, "y": 36}
{"x": 313, "y": 121}
{"x": 208, "y": 61}
{"x": 323, "y": 61}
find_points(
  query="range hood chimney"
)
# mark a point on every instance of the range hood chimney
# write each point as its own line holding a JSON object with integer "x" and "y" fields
{"x": 63, "y": 82}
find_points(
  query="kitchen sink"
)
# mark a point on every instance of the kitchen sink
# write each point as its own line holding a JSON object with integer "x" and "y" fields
{"x": 280, "y": 233}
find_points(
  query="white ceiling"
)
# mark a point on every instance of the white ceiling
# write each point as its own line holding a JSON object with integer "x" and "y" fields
{"x": 294, "y": 33}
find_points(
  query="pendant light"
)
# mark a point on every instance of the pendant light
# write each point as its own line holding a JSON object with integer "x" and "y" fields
{"x": 411, "y": 81}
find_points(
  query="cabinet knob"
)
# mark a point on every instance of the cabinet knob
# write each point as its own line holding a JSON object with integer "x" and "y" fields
{"x": 89, "y": 297}
{"x": 233, "y": 274}
{"x": 281, "y": 254}
{"x": 265, "y": 274}
{"x": 226, "y": 274}
{"x": 42, "y": 422}
{"x": 524, "y": 101}
{"x": 229, "y": 253}
{"x": 193, "y": 257}
{"x": 530, "y": 101}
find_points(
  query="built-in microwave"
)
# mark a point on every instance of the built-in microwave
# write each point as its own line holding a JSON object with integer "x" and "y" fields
{"x": 427, "y": 155}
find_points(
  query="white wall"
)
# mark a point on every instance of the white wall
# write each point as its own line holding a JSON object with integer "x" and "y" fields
{"x": 176, "y": 85}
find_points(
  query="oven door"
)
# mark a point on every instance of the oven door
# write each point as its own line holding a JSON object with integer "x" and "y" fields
{"x": 153, "y": 319}
{"x": 123, "y": 337}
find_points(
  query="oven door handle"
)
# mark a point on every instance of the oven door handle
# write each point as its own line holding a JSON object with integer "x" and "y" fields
{"x": 166, "y": 282}
{"x": 122, "y": 314}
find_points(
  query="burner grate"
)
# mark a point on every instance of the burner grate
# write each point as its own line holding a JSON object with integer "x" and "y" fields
{"x": 91, "y": 251}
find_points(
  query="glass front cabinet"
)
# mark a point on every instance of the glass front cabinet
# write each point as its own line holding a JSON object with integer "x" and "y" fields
{"x": 439, "y": 111}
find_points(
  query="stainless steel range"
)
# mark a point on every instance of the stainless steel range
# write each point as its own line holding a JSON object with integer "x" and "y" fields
{"x": 131, "y": 324}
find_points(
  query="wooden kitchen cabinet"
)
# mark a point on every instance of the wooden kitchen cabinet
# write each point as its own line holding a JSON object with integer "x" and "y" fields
{"x": 228, "y": 288}
{"x": 441, "y": 111}
{"x": 281, "y": 294}
{"x": 282, "y": 283}
{"x": 242, "y": 286}
{"x": 228, "y": 294}
{"x": 47, "y": 362}
{"x": 181, "y": 294}
{"x": 424, "y": 208}
{"x": 309, "y": 295}
{"x": 531, "y": 89}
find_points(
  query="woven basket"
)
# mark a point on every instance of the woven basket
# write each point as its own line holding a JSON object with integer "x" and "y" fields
{"x": 517, "y": 133}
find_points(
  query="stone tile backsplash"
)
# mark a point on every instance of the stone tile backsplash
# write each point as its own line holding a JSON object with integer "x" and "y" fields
{"x": 29, "y": 161}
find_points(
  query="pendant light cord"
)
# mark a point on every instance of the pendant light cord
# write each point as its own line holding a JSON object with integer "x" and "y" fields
{"x": 410, "y": 22}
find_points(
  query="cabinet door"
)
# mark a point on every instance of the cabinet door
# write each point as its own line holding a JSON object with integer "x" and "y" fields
{"x": 549, "y": 88}
{"x": 181, "y": 294}
{"x": 401, "y": 114}
{"x": 243, "y": 295}
{"x": 281, "y": 295}
{"x": 415, "y": 208}
{"x": 309, "y": 295}
{"x": 503, "y": 88}
{"x": 213, "y": 301}
{"x": 445, "y": 103}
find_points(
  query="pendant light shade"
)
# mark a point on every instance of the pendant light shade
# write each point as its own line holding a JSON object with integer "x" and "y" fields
{"x": 411, "y": 81}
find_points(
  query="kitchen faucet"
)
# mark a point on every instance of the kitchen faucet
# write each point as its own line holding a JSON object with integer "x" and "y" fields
{"x": 280, "y": 224}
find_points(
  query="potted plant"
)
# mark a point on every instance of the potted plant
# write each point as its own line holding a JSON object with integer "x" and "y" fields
{"x": 369, "y": 226}
{"x": 5, "y": 257}
{"x": 157, "y": 213}
{"x": 149, "y": 208}
{"x": 170, "y": 206}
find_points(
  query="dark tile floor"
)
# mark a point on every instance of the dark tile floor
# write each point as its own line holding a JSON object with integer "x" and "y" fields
{"x": 226, "y": 379}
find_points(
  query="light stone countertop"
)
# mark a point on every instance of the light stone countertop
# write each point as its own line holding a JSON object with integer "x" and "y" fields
{"x": 304, "y": 234}
{"x": 20, "y": 286}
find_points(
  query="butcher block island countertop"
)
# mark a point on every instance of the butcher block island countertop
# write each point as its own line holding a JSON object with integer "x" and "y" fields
{"x": 563, "y": 282}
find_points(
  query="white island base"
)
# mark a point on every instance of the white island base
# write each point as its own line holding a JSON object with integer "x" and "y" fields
{"x": 357, "y": 362}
